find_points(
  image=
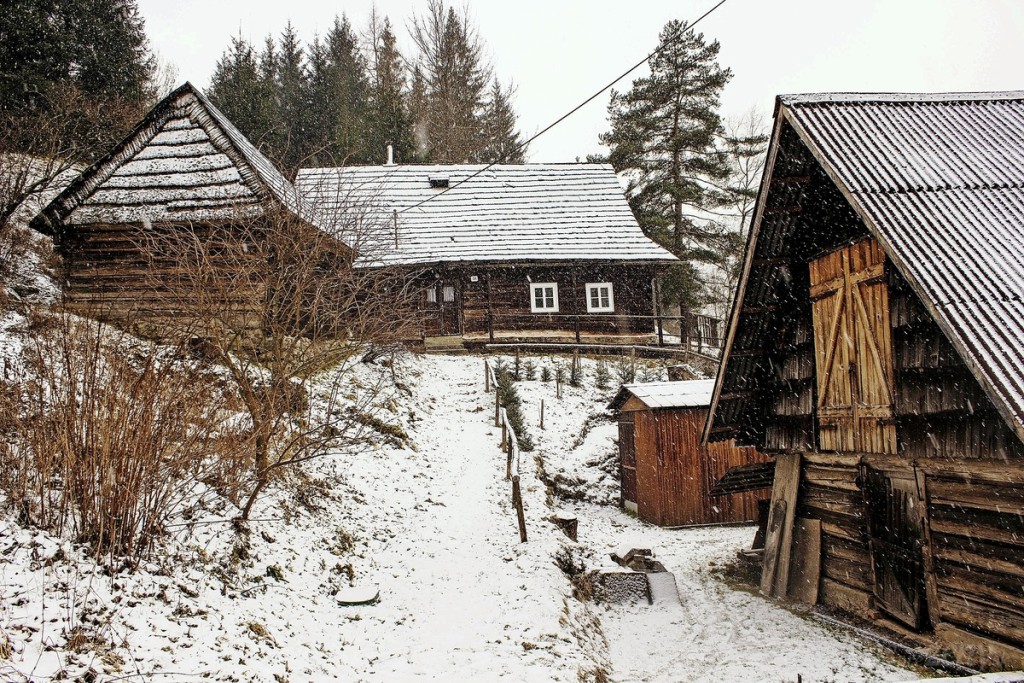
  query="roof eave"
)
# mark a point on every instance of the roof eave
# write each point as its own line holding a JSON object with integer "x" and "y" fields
{"x": 748, "y": 259}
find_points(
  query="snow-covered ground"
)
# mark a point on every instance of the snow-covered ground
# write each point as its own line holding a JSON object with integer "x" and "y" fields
{"x": 431, "y": 527}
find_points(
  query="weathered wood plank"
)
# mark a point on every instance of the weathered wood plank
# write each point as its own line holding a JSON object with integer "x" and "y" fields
{"x": 779, "y": 540}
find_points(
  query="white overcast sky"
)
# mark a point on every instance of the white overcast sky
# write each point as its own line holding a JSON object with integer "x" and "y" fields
{"x": 559, "y": 52}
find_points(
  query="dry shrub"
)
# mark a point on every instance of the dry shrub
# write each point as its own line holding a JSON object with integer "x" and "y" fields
{"x": 105, "y": 435}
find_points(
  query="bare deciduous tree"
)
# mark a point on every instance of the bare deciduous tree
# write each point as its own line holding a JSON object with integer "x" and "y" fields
{"x": 281, "y": 303}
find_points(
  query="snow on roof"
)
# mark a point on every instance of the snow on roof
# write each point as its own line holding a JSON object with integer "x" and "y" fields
{"x": 691, "y": 394}
{"x": 939, "y": 181}
{"x": 551, "y": 212}
{"x": 184, "y": 161}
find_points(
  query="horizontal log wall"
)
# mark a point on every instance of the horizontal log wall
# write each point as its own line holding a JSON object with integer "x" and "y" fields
{"x": 504, "y": 291}
{"x": 976, "y": 524}
{"x": 108, "y": 272}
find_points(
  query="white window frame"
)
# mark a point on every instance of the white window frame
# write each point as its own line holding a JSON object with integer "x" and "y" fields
{"x": 534, "y": 286}
{"x": 610, "y": 308}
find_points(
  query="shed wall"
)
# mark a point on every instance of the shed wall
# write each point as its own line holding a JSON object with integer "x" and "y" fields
{"x": 675, "y": 472}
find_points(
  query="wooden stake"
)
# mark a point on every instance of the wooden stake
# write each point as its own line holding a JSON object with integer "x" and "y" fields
{"x": 517, "y": 501}
{"x": 487, "y": 377}
{"x": 542, "y": 413}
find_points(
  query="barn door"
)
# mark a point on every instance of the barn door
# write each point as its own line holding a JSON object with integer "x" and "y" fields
{"x": 853, "y": 350}
{"x": 895, "y": 539}
{"x": 627, "y": 459}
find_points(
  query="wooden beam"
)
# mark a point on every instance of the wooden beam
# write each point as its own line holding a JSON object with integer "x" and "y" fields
{"x": 779, "y": 540}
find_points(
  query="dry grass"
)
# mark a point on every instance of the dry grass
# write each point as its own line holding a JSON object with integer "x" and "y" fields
{"x": 104, "y": 435}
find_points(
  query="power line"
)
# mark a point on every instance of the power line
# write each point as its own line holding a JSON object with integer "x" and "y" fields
{"x": 524, "y": 145}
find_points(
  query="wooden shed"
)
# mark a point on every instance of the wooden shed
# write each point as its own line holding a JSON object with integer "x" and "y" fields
{"x": 184, "y": 166}
{"x": 523, "y": 252}
{"x": 876, "y": 349}
{"x": 667, "y": 473}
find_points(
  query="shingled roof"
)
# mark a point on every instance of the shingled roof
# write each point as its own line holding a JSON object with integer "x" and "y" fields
{"x": 184, "y": 161}
{"x": 507, "y": 213}
{"x": 939, "y": 181}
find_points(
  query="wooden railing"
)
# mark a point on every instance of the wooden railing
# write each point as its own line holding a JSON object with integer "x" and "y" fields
{"x": 695, "y": 335}
{"x": 510, "y": 445}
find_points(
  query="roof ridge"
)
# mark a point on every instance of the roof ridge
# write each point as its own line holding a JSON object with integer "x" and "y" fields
{"x": 801, "y": 99}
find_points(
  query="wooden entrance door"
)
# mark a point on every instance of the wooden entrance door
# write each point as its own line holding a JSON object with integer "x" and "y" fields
{"x": 853, "y": 350}
{"x": 895, "y": 539}
{"x": 443, "y": 309}
{"x": 627, "y": 458}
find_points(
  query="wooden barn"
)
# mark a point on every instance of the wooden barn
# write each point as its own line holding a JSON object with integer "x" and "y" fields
{"x": 876, "y": 350}
{"x": 529, "y": 252}
{"x": 667, "y": 474}
{"x": 183, "y": 165}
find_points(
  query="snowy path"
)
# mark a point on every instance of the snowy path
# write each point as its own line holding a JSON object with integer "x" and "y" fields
{"x": 470, "y": 595}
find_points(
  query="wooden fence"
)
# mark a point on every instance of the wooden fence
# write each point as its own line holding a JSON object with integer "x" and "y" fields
{"x": 510, "y": 445}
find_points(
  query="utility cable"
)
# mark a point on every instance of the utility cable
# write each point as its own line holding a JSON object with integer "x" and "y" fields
{"x": 524, "y": 145}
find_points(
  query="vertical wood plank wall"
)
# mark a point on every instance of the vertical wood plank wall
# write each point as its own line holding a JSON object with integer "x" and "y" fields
{"x": 675, "y": 472}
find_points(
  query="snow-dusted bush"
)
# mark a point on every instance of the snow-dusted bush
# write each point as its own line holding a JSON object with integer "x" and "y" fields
{"x": 103, "y": 435}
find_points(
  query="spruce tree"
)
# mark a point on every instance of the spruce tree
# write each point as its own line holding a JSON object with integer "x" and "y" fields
{"x": 239, "y": 89}
{"x": 388, "y": 120}
{"x": 500, "y": 139}
{"x": 291, "y": 80}
{"x": 452, "y": 63}
{"x": 337, "y": 98}
{"x": 663, "y": 138}
{"x": 87, "y": 58}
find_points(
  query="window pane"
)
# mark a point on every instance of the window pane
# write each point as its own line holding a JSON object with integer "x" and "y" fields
{"x": 432, "y": 295}
{"x": 449, "y": 293}
{"x": 605, "y": 298}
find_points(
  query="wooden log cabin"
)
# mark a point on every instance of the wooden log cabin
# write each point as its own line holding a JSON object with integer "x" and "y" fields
{"x": 528, "y": 252}
{"x": 876, "y": 350}
{"x": 666, "y": 473}
{"x": 184, "y": 165}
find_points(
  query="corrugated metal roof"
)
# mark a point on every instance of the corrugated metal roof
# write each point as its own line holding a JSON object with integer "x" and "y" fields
{"x": 690, "y": 394}
{"x": 507, "y": 213}
{"x": 939, "y": 181}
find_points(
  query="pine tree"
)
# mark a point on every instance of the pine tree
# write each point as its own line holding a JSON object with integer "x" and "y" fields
{"x": 663, "y": 138}
{"x": 388, "y": 120}
{"x": 501, "y": 140}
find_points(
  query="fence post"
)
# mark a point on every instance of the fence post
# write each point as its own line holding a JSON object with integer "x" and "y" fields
{"x": 576, "y": 320}
{"x": 487, "y": 377}
{"x": 504, "y": 435}
{"x": 542, "y": 414}
{"x": 661, "y": 330}
{"x": 508, "y": 463}
{"x": 497, "y": 407}
{"x": 517, "y": 502}
{"x": 490, "y": 326}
